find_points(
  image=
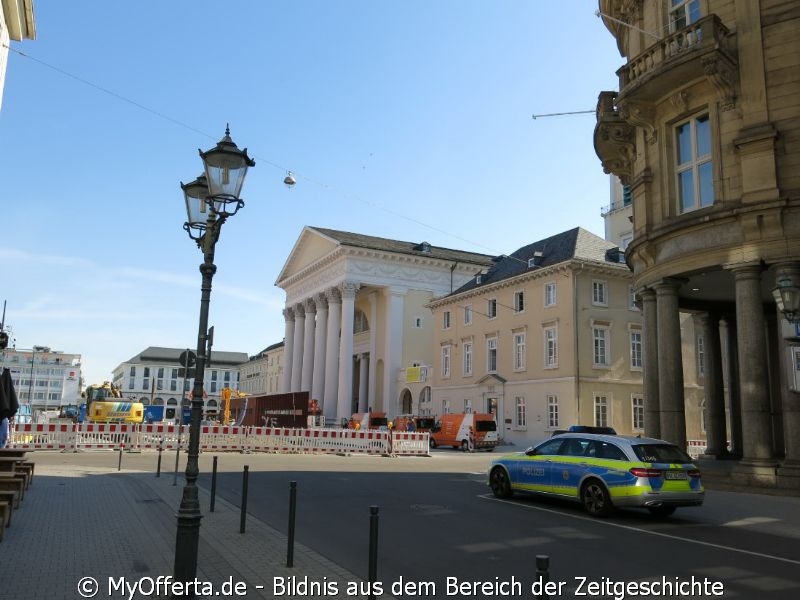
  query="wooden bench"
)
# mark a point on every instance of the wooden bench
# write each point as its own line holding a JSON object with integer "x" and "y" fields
{"x": 14, "y": 482}
{"x": 11, "y": 497}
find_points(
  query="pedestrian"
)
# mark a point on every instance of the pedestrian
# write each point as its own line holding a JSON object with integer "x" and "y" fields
{"x": 410, "y": 426}
{"x": 3, "y": 432}
{"x": 471, "y": 439}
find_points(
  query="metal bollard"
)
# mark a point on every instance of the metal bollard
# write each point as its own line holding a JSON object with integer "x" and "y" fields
{"x": 245, "y": 476}
{"x": 372, "y": 576}
{"x": 543, "y": 573}
{"x": 119, "y": 464}
{"x": 158, "y": 466}
{"x": 213, "y": 485}
{"x": 292, "y": 512}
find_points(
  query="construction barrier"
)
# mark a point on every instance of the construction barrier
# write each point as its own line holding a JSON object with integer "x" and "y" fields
{"x": 216, "y": 438}
{"x": 695, "y": 448}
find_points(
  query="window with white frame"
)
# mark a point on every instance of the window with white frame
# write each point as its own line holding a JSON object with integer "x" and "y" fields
{"x": 467, "y": 358}
{"x": 491, "y": 355}
{"x": 468, "y": 315}
{"x": 519, "y": 301}
{"x": 491, "y": 308}
{"x": 520, "y": 413}
{"x": 599, "y": 293}
{"x": 636, "y": 348}
{"x": 417, "y": 322}
{"x": 552, "y": 411}
{"x": 683, "y": 13}
{"x": 550, "y": 347}
{"x": 601, "y": 345}
{"x": 467, "y": 406}
{"x": 445, "y": 361}
{"x": 446, "y": 319}
{"x": 519, "y": 351}
{"x": 550, "y": 294}
{"x": 637, "y": 412}
{"x": 701, "y": 355}
{"x": 446, "y": 406}
{"x": 693, "y": 165}
{"x": 600, "y": 410}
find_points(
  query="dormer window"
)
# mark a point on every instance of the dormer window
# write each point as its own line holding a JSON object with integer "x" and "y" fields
{"x": 478, "y": 279}
{"x": 536, "y": 259}
{"x": 423, "y": 247}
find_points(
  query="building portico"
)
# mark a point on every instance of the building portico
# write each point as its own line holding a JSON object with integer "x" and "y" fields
{"x": 355, "y": 315}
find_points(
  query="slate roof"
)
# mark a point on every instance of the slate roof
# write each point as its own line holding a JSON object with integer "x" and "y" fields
{"x": 358, "y": 240}
{"x": 172, "y": 355}
{"x": 575, "y": 243}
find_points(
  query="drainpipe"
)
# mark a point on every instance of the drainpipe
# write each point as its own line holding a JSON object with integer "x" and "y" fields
{"x": 577, "y": 349}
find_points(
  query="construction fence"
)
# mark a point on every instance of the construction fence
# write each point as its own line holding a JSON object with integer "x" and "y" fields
{"x": 69, "y": 437}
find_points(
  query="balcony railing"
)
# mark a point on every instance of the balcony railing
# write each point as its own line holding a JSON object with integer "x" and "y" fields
{"x": 705, "y": 36}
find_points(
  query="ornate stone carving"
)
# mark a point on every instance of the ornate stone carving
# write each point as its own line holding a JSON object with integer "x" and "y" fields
{"x": 348, "y": 289}
{"x": 310, "y": 306}
{"x": 333, "y": 296}
{"x": 640, "y": 115}
{"x": 288, "y": 313}
{"x": 321, "y": 301}
{"x": 680, "y": 100}
{"x": 723, "y": 77}
{"x": 299, "y": 311}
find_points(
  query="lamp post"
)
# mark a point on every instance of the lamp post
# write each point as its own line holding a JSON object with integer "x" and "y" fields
{"x": 787, "y": 297}
{"x": 210, "y": 200}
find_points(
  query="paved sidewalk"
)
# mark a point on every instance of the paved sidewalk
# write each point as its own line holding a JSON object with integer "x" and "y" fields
{"x": 77, "y": 522}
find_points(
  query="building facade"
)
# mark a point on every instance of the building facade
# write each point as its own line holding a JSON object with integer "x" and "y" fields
{"x": 16, "y": 23}
{"x": 43, "y": 378}
{"x": 263, "y": 373}
{"x": 546, "y": 338}
{"x": 705, "y": 129}
{"x": 358, "y": 331}
{"x": 155, "y": 377}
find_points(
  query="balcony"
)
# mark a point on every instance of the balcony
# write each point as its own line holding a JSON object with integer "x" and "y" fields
{"x": 614, "y": 138}
{"x": 701, "y": 49}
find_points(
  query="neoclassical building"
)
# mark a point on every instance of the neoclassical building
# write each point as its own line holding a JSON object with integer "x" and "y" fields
{"x": 705, "y": 131}
{"x": 358, "y": 333}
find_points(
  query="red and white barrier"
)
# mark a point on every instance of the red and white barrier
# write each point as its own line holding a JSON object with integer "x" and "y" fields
{"x": 695, "y": 448}
{"x": 216, "y": 438}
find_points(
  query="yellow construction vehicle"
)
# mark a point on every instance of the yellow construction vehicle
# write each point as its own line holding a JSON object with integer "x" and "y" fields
{"x": 227, "y": 394}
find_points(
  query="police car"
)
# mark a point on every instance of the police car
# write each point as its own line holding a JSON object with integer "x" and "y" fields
{"x": 602, "y": 472}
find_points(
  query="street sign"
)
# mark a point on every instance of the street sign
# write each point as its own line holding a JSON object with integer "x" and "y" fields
{"x": 187, "y": 358}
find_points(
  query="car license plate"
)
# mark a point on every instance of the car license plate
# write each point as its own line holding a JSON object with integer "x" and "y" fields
{"x": 676, "y": 475}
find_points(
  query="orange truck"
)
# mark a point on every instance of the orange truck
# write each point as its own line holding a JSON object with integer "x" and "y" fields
{"x": 368, "y": 420}
{"x": 453, "y": 430}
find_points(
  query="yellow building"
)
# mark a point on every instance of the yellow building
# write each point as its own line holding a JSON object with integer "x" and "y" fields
{"x": 705, "y": 131}
{"x": 547, "y": 337}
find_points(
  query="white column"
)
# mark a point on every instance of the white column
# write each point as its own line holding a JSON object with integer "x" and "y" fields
{"x": 308, "y": 345}
{"x": 345, "y": 395}
{"x": 329, "y": 402}
{"x": 373, "y": 348}
{"x": 320, "y": 333}
{"x": 297, "y": 350}
{"x": 288, "y": 345}
{"x": 393, "y": 354}
{"x": 363, "y": 374}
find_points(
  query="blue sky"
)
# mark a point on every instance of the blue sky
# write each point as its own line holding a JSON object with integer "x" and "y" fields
{"x": 407, "y": 119}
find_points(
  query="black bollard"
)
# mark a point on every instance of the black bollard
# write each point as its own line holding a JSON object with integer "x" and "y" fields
{"x": 119, "y": 464}
{"x": 158, "y": 466}
{"x": 543, "y": 573}
{"x": 213, "y": 485}
{"x": 373, "y": 550}
{"x": 292, "y": 509}
{"x": 245, "y": 475}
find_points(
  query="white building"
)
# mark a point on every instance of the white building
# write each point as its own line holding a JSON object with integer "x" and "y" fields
{"x": 263, "y": 373}
{"x": 44, "y": 378}
{"x": 156, "y": 377}
{"x": 16, "y": 23}
{"x": 357, "y": 321}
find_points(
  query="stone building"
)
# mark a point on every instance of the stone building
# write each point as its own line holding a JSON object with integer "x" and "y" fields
{"x": 358, "y": 332}
{"x": 705, "y": 129}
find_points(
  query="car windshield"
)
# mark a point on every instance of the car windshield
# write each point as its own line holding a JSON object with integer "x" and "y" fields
{"x": 660, "y": 453}
{"x": 486, "y": 426}
{"x": 425, "y": 423}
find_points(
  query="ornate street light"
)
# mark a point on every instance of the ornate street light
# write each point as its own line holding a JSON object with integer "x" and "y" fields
{"x": 210, "y": 200}
{"x": 787, "y": 297}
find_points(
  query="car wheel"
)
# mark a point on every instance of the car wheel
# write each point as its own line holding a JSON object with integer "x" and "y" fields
{"x": 432, "y": 443}
{"x": 464, "y": 446}
{"x": 500, "y": 484}
{"x": 661, "y": 511}
{"x": 595, "y": 498}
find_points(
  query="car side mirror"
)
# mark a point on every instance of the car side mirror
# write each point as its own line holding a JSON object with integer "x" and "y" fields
{"x": 530, "y": 451}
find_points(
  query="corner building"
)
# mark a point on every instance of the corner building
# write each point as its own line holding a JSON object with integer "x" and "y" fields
{"x": 705, "y": 131}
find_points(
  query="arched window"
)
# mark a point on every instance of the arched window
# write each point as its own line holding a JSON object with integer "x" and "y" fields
{"x": 158, "y": 402}
{"x": 145, "y": 400}
{"x": 172, "y": 402}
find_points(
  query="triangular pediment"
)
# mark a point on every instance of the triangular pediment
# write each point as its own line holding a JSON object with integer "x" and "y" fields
{"x": 311, "y": 247}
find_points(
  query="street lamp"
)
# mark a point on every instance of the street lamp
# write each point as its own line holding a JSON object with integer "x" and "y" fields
{"x": 210, "y": 200}
{"x": 787, "y": 297}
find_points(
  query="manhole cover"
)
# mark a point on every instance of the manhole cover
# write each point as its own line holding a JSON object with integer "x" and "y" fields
{"x": 431, "y": 509}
